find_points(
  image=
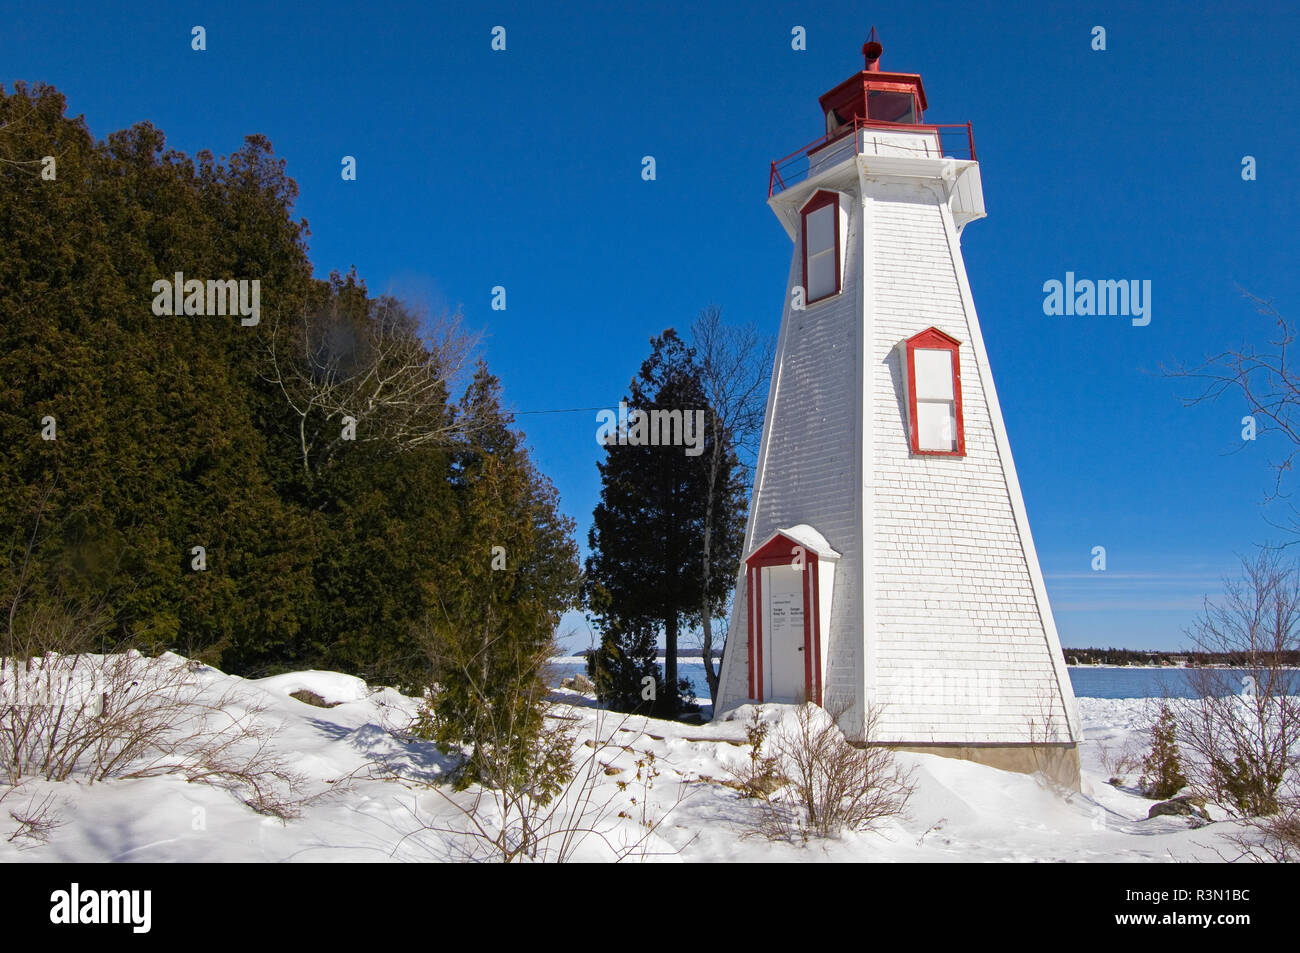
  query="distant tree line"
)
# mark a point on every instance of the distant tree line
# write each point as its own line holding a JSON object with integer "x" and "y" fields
{"x": 1114, "y": 656}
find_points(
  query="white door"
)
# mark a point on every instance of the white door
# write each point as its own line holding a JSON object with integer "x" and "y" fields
{"x": 783, "y": 648}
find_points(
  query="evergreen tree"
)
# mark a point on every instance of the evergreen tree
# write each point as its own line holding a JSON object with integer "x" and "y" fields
{"x": 156, "y": 451}
{"x": 184, "y": 431}
{"x": 1162, "y": 768}
{"x": 624, "y": 667}
{"x": 644, "y": 570}
{"x": 491, "y": 637}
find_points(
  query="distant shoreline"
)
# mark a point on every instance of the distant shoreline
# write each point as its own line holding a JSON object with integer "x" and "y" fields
{"x": 699, "y": 660}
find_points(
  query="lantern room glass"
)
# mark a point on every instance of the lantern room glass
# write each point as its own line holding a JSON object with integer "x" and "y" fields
{"x": 888, "y": 106}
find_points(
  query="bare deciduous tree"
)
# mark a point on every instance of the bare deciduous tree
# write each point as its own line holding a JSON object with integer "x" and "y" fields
{"x": 1241, "y": 733}
{"x": 1269, "y": 384}
{"x": 735, "y": 365}
{"x": 379, "y": 375}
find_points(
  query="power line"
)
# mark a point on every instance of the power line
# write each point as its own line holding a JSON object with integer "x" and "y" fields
{"x": 569, "y": 410}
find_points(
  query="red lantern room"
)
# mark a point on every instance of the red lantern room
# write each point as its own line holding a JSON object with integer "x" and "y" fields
{"x": 886, "y": 111}
{"x": 873, "y": 95}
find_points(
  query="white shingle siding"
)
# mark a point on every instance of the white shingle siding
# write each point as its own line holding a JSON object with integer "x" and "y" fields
{"x": 957, "y": 649}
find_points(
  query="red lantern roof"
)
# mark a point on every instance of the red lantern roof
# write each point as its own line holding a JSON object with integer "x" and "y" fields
{"x": 875, "y": 95}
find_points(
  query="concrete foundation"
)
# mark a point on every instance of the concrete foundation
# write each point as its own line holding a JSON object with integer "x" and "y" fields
{"x": 1058, "y": 762}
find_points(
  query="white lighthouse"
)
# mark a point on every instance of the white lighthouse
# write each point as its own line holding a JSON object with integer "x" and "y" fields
{"x": 888, "y": 563}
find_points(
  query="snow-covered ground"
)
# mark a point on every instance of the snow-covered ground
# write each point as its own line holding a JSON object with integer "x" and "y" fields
{"x": 370, "y": 797}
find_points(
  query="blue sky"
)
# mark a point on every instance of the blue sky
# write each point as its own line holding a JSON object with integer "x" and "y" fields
{"x": 522, "y": 169}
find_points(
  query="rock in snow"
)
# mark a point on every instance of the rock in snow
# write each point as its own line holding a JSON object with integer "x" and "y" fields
{"x": 579, "y": 683}
{"x": 1185, "y": 805}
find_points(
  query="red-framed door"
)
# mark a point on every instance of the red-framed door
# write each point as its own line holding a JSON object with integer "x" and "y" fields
{"x": 773, "y": 614}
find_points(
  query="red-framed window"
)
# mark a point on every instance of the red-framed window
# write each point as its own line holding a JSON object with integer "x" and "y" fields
{"x": 934, "y": 394}
{"x": 820, "y": 220}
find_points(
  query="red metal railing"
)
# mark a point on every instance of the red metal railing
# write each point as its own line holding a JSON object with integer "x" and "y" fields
{"x": 956, "y": 140}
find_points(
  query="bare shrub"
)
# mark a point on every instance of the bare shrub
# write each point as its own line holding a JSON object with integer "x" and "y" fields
{"x": 1045, "y": 734}
{"x": 35, "y": 820}
{"x": 67, "y": 714}
{"x": 92, "y": 718}
{"x": 833, "y": 785}
{"x": 1120, "y": 762}
{"x": 1275, "y": 838}
{"x": 1242, "y": 730}
{"x": 509, "y": 822}
{"x": 1270, "y": 838}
